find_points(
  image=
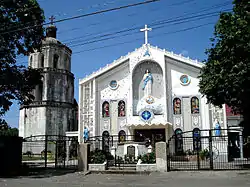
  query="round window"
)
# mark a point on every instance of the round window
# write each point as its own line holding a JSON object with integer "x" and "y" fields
{"x": 185, "y": 80}
{"x": 113, "y": 84}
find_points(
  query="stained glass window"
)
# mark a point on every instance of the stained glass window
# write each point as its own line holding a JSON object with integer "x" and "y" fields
{"x": 177, "y": 106}
{"x": 105, "y": 109}
{"x": 195, "y": 106}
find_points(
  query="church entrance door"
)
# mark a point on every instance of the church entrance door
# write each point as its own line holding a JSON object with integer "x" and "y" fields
{"x": 154, "y": 135}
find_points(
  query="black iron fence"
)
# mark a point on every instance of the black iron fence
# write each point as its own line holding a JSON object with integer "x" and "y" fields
{"x": 50, "y": 151}
{"x": 208, "y": 150}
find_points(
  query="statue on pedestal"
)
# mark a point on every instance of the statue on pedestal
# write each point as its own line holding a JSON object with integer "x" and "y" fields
{"x": 217, "y": 128}
{"x": 85, "y": 134}
{"x": 147, "y": 83}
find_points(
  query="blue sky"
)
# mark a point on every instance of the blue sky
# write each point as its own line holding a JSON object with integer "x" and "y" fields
{"x": 86, "y": 58}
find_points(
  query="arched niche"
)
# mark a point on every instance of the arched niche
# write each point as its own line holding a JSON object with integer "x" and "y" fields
{"x": 137, "y": 81}
{"x": 122, "y": 136}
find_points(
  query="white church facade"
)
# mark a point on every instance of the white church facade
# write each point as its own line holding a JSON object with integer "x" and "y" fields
{"x": 149, "y": 91}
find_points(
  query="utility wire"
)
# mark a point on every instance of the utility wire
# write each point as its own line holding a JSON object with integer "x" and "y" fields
{"x": 187, "y": 19}
{"x": 201, "y": 10}
{"x": 26, "y": 10}
{"x": 138, "y": 39}
{"x": 138, "y": 27}
{"x": 141, "y": 38}
{"x": 164, "y": 24}
{"x": 83, "y": 15}
{"x": 130, "y": 15}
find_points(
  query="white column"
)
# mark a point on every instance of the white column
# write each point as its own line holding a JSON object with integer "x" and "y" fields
{"x": 113, "y": 116}
{"x": 94, "y": 106}
{"x": 241, "y": 145}
{"x": 80, "y": 113}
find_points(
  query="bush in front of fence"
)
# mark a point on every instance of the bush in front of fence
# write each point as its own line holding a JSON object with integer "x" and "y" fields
{"x": 148, "y": 158}
{"x": 99, "y": 156}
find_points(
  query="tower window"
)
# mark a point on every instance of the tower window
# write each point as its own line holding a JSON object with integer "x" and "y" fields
{"x": 42, "y": 61}
{"x": 31, "y": 60}
{"x": 55, "y": 61}
{"x": 39, "y": 92}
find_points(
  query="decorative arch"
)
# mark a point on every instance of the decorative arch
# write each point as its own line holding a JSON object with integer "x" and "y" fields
{"x": 122, "y": 136}
{"x": 195, "y": 105}
{"x": 55, "y": 61}
{"x": 177, "y": 106}
{"x": 137, "y": 81}
{"x": 105, "y": 109}
{"x": 121, "y": 109}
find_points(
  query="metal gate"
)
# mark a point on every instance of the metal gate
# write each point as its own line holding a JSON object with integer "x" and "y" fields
{"x": 50, "y": 151}
{"x": 207, "y": 150}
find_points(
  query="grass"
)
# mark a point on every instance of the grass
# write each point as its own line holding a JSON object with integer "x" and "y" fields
{"x": 33, "y": 158}
{"x": 28, "y": 158}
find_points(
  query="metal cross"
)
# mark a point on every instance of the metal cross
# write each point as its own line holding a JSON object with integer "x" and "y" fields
{"x": 145, "y": 30}
{"x": 52, "y": 18}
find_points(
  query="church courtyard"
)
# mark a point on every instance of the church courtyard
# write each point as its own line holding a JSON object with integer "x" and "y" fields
{"x": 176, "y": 179}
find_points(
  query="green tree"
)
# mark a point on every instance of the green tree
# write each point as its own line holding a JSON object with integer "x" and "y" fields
{"x": 225, "y": 79}
{"x": 21, "y": 33}
{"x": 5, "y": 130}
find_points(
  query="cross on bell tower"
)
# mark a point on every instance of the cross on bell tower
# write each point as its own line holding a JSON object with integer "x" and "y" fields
{"x": 52, "y": 18}
{"x": 145, "y": 30}
{"x": 51, "y": 29}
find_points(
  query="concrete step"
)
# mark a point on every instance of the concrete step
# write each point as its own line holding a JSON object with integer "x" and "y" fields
{"x": 127, "y": 172}
{"x": 124, "y": 165}
{"x": 122, "y": 168}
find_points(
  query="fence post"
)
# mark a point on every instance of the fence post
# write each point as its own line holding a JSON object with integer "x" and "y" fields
{"x": 168, "y": 157}
{"x": 198, "y": 159}
{"x": 56, "y": 154}
{"x": 211, "y": 150}
{"x": 83, "y": 159}
{"x": 46, "y": 151}
{"x": 161, "y": 156}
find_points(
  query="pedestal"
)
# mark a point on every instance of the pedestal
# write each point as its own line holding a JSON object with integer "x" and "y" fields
{"x": 161, "y": 156}
{"x": 84, "y": 153}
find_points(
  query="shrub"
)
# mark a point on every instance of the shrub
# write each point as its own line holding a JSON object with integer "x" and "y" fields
{"x": 50, "y": 155}
{"x": 148, "y": 158}
{"x": 29, "y": 154}
{"x": 204, "y": 154}
{"x": 99, "y": 156}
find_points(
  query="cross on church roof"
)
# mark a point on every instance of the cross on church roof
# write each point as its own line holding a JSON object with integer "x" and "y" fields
{"x": 145, "y": 30}
{"x": 52, "y": 18}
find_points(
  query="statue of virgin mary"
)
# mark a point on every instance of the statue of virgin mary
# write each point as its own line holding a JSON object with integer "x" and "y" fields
{"x": 147, "y": 83}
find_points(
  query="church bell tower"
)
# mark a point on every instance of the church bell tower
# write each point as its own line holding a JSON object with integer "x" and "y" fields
{"x": 53, "y": 110}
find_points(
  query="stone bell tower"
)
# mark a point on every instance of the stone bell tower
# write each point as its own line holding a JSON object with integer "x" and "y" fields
{"x": 53, "y": 110}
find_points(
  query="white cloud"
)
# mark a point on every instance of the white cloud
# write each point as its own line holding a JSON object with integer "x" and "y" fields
{"x": 184, "y": 52}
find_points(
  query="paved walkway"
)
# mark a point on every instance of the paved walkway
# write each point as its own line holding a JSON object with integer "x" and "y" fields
{"x": 172, "y": 179}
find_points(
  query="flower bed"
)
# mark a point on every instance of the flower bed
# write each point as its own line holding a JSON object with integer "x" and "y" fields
{"x": 146, "y": 162}
{"x": 98, "y": 160}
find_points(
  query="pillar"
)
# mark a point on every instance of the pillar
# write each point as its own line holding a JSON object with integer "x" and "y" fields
{"x": 84, "y": 153}
{"x": 161, "y": 156}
